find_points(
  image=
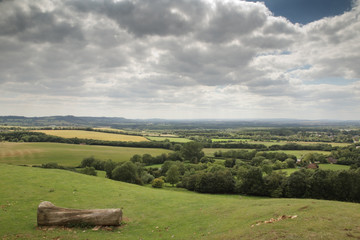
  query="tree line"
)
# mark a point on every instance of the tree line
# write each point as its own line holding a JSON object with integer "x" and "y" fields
{"x": 28, "y": 136}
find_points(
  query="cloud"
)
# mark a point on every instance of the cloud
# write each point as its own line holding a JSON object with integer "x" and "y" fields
{"x": 176, "y": 59}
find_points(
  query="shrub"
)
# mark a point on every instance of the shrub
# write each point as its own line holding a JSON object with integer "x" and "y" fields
{"x": 147, "y": 178}
{"x": 89, "y": 171}
{"x": 51, "y": 165}
{"x": 157, "y": 183}
{"x": 109, "y": 166}
{"x": 126, "y": 172}
{"x": 87, "y": 162}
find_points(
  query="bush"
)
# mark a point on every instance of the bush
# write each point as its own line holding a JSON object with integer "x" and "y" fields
{"x": 51, "y": 165}
{"x": 147, "y": 178}
{"x": 89, "y": 171}
{"x": 157, "y": 183}
{"x": 126, "y": 172}
{"x": 109, "y": 166}
{"x": 87, "y": 162}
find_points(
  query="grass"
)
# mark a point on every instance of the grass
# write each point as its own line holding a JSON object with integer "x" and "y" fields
{"x": 288, "y": 171}
{"x": 154, "y": 166}
{"x": 94, "y": 135}
{"x": 110, "y": 129}
{"x": 161, "y": 214}
{"x": 298, "y": 153}
{"x": 210, "y": 151}
{"x": 272, "y": 142}
{"x": 231, "y": 140}
{"x": 171, "y": 139}
{"x": 66, "y": 154}
{"x": 333, "y": 167}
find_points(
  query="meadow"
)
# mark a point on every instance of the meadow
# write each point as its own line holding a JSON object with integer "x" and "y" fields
{"x": 93, "y": 135}
{"x": 66, "y": 154}
{"x": 171, "y": 139}
{"x": 161, "y": 214}
{"x": 333, "y": 167}
{"x": 298, "y": 153}
{"x": 270, "y": 143}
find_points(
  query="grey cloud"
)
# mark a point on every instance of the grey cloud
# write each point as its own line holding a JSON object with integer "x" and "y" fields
{"x": 271, "y": 87}
{"x": 268, "y": 42}
{"x": 207, "y": 64}
{"x": 35, "y": 25}
{"x": 279, "y": 26}
{"x": 142, "y": 18}
{"x": 192, "y": 54}
{"x": 230, "y": 20}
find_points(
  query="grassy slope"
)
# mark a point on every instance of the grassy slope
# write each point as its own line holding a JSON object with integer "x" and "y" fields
{"x": 93, "y": 135}
{"x": 66, "y": 154}
{"x": 160, "y": 214}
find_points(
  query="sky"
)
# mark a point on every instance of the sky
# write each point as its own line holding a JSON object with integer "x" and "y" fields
{"x": 183, "y": 59}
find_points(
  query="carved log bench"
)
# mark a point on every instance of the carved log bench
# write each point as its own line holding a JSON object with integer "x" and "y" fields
{"x": 50, "y": 215}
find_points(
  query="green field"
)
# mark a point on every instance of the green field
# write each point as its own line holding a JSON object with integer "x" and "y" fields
{"x": 66, "y": 154}
{"x": 171, "y": 139}
{"x": 270, "y": 143}
{"x": 333, "y": 167}
{"x": 298, "y": 153}
{"x": 161, "y": 214}
{"x": 93, "y": 135}
{"x": 154, "y": 166}
{"x": 231, "y": 140}
{"x": 110, "y": 129}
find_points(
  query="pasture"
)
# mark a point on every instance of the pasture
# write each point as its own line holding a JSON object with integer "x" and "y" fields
{"x": 273, "y": 142}
{"x": 298, "y": 153}
{"x": 334, "y": 167}
{"x": 171, "y": 139}
{"x": 161, "y": 214}
{"x": 66, "y": 154}
{"x": 93, "y": 135}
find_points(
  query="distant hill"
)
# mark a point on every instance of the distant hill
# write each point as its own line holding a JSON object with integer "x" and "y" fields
{"x": 119, "y": 122}
{"x": 59, "y": 121}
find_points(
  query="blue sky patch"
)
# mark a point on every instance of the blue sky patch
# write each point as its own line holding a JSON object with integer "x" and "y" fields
{"x": 306, "y": 11}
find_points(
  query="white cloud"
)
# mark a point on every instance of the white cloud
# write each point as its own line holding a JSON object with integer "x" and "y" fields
{"x": 176, "y": 59}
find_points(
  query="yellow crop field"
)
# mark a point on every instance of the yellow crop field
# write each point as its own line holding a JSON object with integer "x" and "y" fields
{"x": 94, "y": 135}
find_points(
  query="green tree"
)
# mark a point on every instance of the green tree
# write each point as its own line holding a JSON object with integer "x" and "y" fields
{"x": 297, "y": 184}
{"x": 274, "y": 184}
{"x": 166, "y": 166}
{"x": 126, "y": 172}
{"x": 109, "y": 166}
{"x": 250, "y": 181}
{"x": 147, "y": 159}
{"x": 157, "y": 183}
{"x": 87, "y": 162}
{"x": 173, "y": 175}
{"x": 192, "y": 151}
{"x": 136, "y": 158}
{"x": 291, "y": 163}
